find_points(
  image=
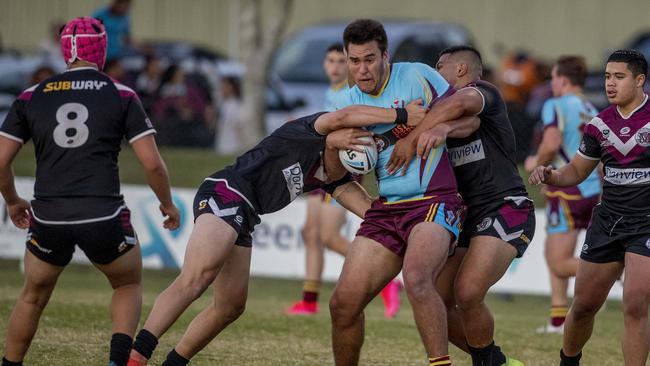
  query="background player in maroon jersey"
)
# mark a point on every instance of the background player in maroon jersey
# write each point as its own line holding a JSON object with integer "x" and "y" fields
{"x": 618, "y": 237}
{"x": 77, "y": 120}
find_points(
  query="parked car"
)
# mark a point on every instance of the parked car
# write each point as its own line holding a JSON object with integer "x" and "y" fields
{"x": 298, "y": 62}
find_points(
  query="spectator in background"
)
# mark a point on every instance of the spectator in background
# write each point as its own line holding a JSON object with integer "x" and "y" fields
{"x": 229, "y": 139}
{"x": 118, "y": 26}
{"x": 41, "y": 74}
{"x": 181, "y": 111}
{"x": 148, "y": 81}
{"x": 114, "y": 69}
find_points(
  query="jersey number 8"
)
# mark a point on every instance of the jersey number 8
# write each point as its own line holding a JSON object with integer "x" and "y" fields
{"x": 72, "y": 130}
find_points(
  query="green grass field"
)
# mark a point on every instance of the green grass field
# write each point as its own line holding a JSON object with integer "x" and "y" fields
{"x": 75, "y": 327}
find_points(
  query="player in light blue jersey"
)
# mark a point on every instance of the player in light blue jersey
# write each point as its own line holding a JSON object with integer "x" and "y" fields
{"x": 417, "y": 218}
{"x": 568, "y": 209}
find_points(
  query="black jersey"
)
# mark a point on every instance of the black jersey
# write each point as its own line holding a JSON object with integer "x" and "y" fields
{"x": 484, "y": 162}
{"x": 622, "y": 144}
{"x": 283, "y": 166}
{"x": 77, "y": 120}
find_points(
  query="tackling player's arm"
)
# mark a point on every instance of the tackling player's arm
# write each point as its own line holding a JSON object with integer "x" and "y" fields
{"x": 363, "y": 116}
{"x": 17, "y": 207}
{"x": 465, "y": 102}
{"x": 567, "y": 176}
{"x": 156, "y": 171}
{"x": 353, "y": 197}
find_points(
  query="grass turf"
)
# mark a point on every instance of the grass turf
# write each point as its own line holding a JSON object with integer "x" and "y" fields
{"x": 75, "y": 327}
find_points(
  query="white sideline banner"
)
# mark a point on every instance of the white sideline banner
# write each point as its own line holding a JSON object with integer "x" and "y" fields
{"x": 278, "y": 249}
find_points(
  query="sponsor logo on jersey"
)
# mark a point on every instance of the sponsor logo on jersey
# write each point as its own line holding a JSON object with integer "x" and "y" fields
{"x": 643, "y": 137}
{"x": 466, "y": 154}
{"x": 484, "y": 225}
{"x": 629, "y": 176}
{"x": 625, "y": 131}
{"x": 295, "y": 180}
{"x": 74, "y": 85}
{"x": 381, "y": 142}
{"x": 606, "y": 133}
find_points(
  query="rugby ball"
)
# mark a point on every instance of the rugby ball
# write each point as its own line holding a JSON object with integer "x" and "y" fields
{"x": 357, "y": 162}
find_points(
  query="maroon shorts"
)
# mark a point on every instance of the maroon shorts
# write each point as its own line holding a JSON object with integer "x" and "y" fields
{"x": 390, "y": 224}
{"x": 567, "y": 210}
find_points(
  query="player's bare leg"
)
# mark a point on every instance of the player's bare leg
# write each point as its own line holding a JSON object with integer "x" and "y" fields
{"x": 636, "y": 298}
{"x": 562, "y": 265}
{"x": 445, "y": 287}
{"x": 230, "y": 293}
{"x": 593, "y": 282}
{"x": 368, "y": 267}
{"x": 427, "y": 251}
{"x": 210, "y": 243}
{"x": 314, "y": 259}
{"x": 125, "y": 277}
{"x": 475, "y": 277}
{"x": 332, "y": 219}
{"x": 40, "y": 279}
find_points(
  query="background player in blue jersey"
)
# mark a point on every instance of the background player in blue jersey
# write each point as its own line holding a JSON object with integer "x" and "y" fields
{"x": 568, "y": 209}
{"x": 78, "y": 120}
{"x": 417, "y": 218}
{"x": 618, "y": 237}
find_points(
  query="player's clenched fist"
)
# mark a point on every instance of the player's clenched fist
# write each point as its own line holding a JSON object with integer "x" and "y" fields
{"x": 541, "y": 174}
{"x": 172, "y": 216}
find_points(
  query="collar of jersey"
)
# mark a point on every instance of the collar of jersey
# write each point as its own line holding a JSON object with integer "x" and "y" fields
{"x": 383, "y": 87}
{"x": 81, "y": 68}
{"x": 645, "y": 100}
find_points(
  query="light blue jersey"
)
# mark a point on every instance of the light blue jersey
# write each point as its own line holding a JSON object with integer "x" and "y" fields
{"x": 424, "y": 178}
{"x": 569, "y": 113}
{"x": 334, "y": 94}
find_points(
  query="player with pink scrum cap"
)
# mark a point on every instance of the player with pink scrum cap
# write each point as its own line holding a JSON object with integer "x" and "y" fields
{"x": 78, "y": 120}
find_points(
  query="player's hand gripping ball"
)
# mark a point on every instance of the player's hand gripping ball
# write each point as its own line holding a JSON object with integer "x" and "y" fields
{"x": 360, "y": 162}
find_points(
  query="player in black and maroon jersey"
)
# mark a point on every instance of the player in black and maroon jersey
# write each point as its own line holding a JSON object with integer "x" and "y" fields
{"x": 500, "y": 219}
{"x": 298, "y": 157}
{"x": 77, "y": 120}
{"x": 618, "y": 238}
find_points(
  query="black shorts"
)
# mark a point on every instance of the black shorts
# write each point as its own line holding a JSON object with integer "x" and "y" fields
{"x": 102, "y": 241}
{"x": 221, "y": 197}
{"x": 610, "y": 236}
{"x": 511, "y": 220}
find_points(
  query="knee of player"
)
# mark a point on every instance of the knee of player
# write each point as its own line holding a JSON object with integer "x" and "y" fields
{"x": 37, "y": 294}
{"x": 196, "y": 283}
{"x": 468, "y": 295}
{"x": 584, "y": 309}
{"x": 310, "y": 235}
{"x": 635, "y": 306}
{"x": 232, "y": 310}
{"x": 342, "y": 307}
{"x": 418, "y": 284}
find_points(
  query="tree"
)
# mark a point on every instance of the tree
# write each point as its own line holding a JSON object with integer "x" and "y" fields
{"x": 258, "y": 42}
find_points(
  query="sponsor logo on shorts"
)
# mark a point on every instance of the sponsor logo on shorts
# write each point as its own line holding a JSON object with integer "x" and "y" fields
{"x": 203, "y": 204}
{"x": 239, "y": 220}
{"x": 554, "y": 219}
{"x": 524, "y": 238}
{"x": 647, "y": 243}
{"x": 450, "y": 217}
{"x": 629, "y": 176}
{"x": 74, "y": 85}
{"x": 643, "y": 137}
{"x": 293, "y": 176}
{"x": 33, "y": 242}
{"x": 466, "y": 154}
{"x": 585, "y": 248}
{"x": 484, "y": 225}
{"x": 121, "y": 247}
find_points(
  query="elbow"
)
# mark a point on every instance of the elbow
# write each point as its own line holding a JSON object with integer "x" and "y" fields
{"x": 158, "y": 168}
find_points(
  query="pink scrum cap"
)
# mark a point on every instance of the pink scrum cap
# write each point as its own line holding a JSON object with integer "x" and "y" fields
{"x": 84, "y": 39}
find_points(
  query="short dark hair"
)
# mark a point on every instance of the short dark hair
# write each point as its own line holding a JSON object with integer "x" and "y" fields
{"x": 363, "y": 31}
{"x": 335, "y": 47}
{"x": 634, "y": 59}
{"x": 573, "y": 67}
{"x": 461, "y": 48}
